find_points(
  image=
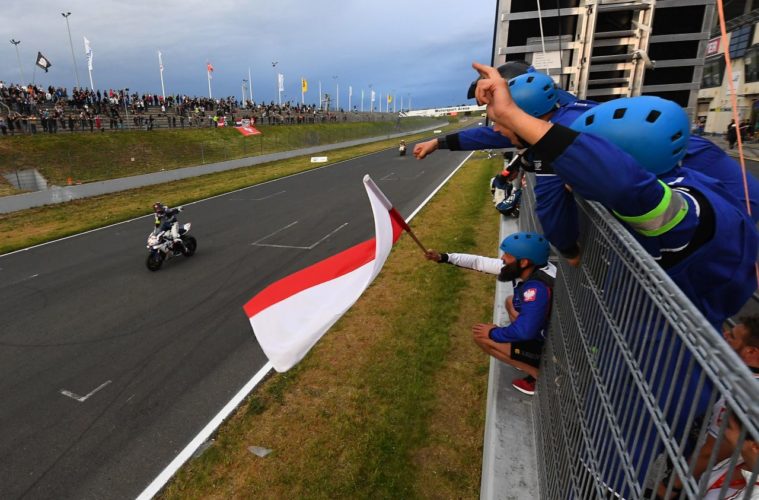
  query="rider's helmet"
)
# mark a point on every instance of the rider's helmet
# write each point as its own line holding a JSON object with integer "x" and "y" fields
{"x": 652, "y": 130}
{"x": 507, "y": 71}
{"x": 159, "y": 208}
{"x": 535, "y": 93}
{"x": 527, "y": 245}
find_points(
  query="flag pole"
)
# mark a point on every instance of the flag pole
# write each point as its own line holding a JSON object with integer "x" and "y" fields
{"x": 160, "y": 67}
{"x": 250, "y": 87}
{"x": 92, "y": 85}
{"x": 208, "y": 74}
{"x": 394, "y": 214}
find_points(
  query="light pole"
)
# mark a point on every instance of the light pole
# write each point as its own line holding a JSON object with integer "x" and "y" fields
{"x": 279, "y": 91}
{"x": 15, "y": 44}
{"x": 71, "y": 44}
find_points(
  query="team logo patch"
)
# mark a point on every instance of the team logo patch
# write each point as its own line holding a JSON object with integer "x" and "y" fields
{"x": 529, "y": 295}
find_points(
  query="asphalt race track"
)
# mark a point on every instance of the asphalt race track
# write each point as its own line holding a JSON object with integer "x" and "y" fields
{"x": 109, "y": 370}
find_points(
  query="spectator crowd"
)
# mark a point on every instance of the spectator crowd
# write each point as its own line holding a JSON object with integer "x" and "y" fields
{"x": 31, "y": 109}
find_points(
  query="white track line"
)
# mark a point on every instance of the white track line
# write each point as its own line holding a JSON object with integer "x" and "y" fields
{"x": 204, "y": 434}
{"x": 82, "y": 399}
{"x": 258, "y": 199}
{"x": 275, "y": 232}
{"x": 310, "y": 247}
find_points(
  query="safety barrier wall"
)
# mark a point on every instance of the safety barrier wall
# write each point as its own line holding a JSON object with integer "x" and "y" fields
{"x": 630, "y": 372}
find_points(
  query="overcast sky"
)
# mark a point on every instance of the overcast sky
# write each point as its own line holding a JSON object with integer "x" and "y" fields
{"x": 421, "y": 48}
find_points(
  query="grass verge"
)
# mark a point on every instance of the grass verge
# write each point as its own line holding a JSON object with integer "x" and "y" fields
{"x": 390, "y": 404}
{"x": 57, "y": 221}
{"x": 84, "y": 157}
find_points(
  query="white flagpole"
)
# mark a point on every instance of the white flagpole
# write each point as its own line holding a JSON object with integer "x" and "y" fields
{"x": 350, "y": 96}
{"x": 362, "y": 100}
{"x": 393, "y": 104}
{"x": 160, "y": 67}
{"x": 302, "y": 94}
{"x": 250, "y": 87}
{"x": 320, "y": 94}
{"x": 208, "y": 74}
{"x": 88, "y": 53}
{"x": 337, "y": 103}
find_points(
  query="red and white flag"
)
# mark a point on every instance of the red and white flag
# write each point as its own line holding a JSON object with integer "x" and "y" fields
{"x": 291, "y": 315}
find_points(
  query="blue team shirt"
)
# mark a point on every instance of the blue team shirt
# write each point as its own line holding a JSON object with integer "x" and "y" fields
{"x": 532, "y": 300}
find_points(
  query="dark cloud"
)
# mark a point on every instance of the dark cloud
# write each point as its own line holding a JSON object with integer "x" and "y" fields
{"x": 421, "y": 48}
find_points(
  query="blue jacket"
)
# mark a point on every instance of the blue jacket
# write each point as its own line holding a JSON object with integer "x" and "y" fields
{"x": 706, "y": 157}
{"x": 532, "y": 300}
{"x": 709, "y": 253}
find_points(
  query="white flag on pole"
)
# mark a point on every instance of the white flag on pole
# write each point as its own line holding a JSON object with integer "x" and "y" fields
{"x": 281, "y": 81}
{"x": 160, "y": 62}
{"x": 291, "y": 315}
{"x": 88, "y": 53}
{"x": 350, "y": 91}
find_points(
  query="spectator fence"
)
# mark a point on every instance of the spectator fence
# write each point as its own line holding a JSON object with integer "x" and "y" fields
{"x": 630, "y": 372}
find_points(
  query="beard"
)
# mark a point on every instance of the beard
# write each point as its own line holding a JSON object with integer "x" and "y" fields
{"x": 510, "y": 272}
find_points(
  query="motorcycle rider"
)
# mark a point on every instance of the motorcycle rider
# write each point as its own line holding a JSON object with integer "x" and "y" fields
{"x": 402, "y": 148}
{"x": 166, "y": 219}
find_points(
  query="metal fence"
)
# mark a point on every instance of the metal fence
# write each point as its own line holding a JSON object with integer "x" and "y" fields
{"x": 630, "y": 373}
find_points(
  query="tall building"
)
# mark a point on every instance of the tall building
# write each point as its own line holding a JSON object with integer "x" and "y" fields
{"x": 714, "y": 103}
{"x": 603, "y": 49}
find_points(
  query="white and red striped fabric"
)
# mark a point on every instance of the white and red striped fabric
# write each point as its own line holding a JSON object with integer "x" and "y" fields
{"x": 291, "y": 315}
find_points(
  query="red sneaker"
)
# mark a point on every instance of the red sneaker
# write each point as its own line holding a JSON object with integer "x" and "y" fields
{"x": 525, "y": 385}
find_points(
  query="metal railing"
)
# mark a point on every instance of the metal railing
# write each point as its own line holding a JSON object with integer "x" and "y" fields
{"x": 630, "y": 372}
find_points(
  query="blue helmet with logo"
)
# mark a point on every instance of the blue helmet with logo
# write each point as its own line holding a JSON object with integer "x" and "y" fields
{"x": 535, "y": 93}
{"x": 526, "y": 245}
{"x": 652, "y": 130}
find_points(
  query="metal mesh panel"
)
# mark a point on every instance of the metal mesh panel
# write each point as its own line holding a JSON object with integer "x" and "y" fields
{"x": 630, "y": 372}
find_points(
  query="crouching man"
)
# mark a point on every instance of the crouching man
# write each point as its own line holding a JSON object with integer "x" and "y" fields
{"x": 525, "y": 263}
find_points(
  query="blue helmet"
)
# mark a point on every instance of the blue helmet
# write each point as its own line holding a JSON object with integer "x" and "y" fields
{"x": 509, "y": 70}
{"x": 652, "y": 130}
{"x": 525, "y": 245}
{"x": 534, "y": 92}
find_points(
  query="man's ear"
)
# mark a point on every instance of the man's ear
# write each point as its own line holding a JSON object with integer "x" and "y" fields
{"x": 524, "y": 263}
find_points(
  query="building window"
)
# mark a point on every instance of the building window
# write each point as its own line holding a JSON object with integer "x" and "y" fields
{"x": 713, "y": 71}
{"x": 751, "y": 61}
{"x": 740, "y": 39}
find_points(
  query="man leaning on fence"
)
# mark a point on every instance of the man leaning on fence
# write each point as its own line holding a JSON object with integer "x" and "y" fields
{"x": 524, "y": 262}
{"x": 700, "y": 235}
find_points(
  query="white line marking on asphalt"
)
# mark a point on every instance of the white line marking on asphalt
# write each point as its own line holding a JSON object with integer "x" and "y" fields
{"x": 275, "y": 232}
{"x": 258, "y": 199}
{"x": 82, "y": 399}
{"x": 310, "y": 247}
{"x": 387, "y": 177}
{"x": 33, "y": 276}
{"x": 415, "y": 177}
{"x": 162, "y": 478}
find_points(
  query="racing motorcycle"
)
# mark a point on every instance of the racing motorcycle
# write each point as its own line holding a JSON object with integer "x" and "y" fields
{"x": 162, "y": 247}
{"x": 402, "y": 149}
